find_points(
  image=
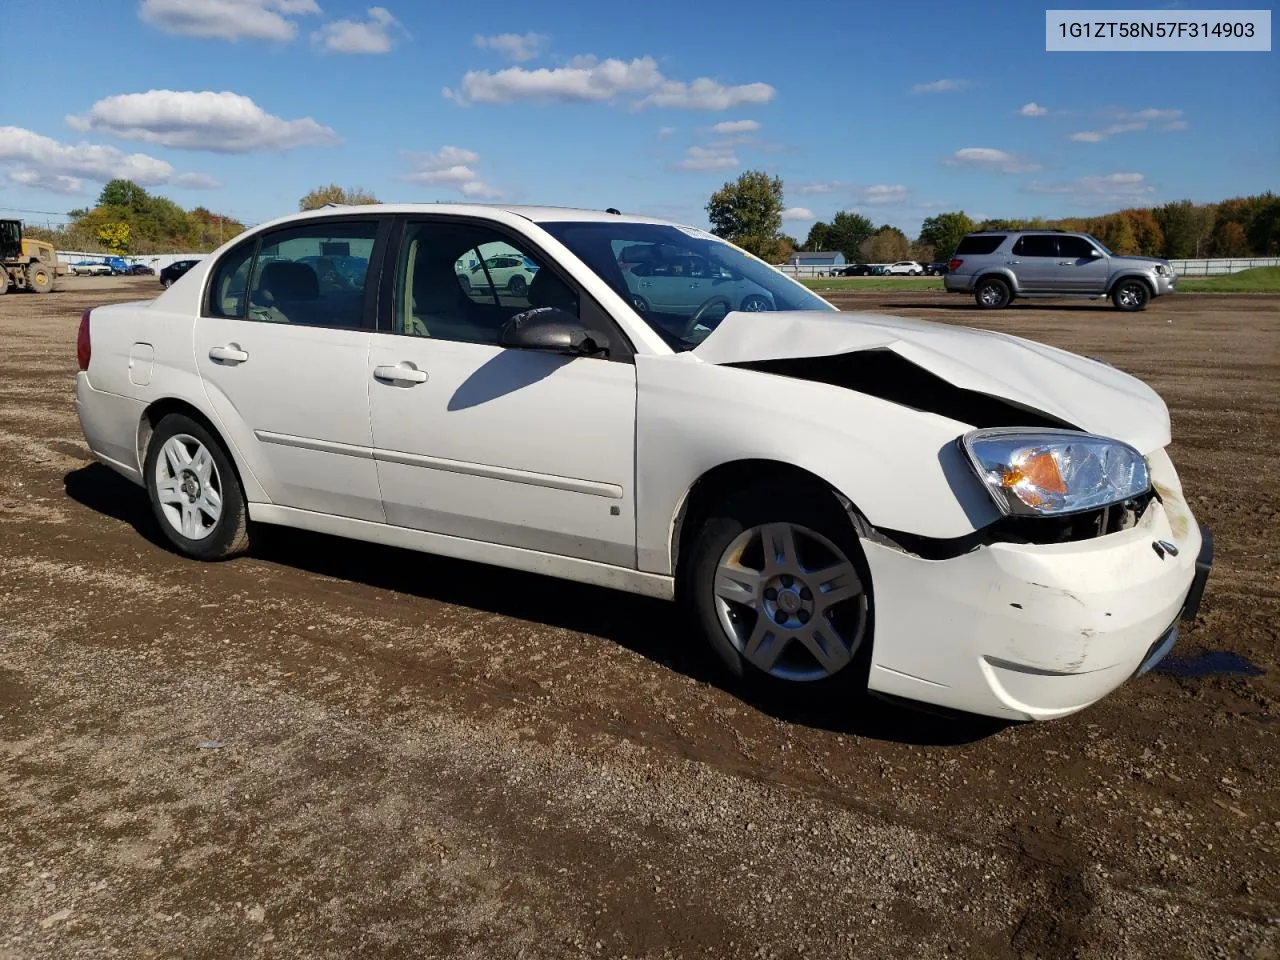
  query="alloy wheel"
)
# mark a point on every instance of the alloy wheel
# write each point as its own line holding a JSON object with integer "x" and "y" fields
{"x": 790, "y": 601}
{"x": 188, "y": 487}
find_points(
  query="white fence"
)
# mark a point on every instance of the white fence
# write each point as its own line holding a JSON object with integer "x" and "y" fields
{"x": 1209, "y": 268}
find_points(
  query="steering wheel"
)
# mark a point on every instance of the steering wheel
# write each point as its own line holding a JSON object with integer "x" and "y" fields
{"x": 706, "y": 305}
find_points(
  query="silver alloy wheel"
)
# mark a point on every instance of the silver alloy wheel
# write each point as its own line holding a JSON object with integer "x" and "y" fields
{"x": 991, "y": 294}
{"x": 188, "y": 486}
{"x": 1130, "y": 295}
{"x": 755, "y": 303}
{"x": 790, "y": 601}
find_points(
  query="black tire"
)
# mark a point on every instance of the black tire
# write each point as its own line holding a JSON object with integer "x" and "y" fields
{"x": 755, "y": 303}
{"x": 4, "y": 282}
{"x": 992, "y": 293}
{"x": 229, "y": 536}
{"x": 517, "y": 286}
{"x": 819, "y": 511}
{"x": 464, "y": 283}
{"x": 1131, "y": 296}
{"x": 166, "y": 282}
{"x": 40, "y": 277}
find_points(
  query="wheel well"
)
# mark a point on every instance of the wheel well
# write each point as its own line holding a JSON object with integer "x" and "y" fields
{"x": 718, "y": 484}
{"x": 1151, "y": 289}
{"x": 993, "y": 275}
{"x": 152, "y": 416}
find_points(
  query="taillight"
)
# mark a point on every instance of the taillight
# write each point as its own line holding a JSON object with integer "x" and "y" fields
{"x": 954, "y": 264}
{"x": 82, "y": 341}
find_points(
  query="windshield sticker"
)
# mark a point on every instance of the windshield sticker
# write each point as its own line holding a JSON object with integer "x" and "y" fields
{"x": 695, "y": 233}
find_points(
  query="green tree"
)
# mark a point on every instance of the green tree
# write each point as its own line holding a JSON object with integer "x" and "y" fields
{"x": 124, "y": 193}
{"x": 748, "y": 212}
{"x": 944, "y": 232}
{"x": 847, "y": 233}
{"x": 333, "y": 193}
{"x": 819, "y": 237}
{"x": 1186, "y": 227}
{"x": 1264, "y": 230}
{"x": 886, "y": 245}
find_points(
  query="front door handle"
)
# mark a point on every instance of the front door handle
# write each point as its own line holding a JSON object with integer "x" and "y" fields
{"x": 1011, "y": 262}
{"x": 231, "y": 353}
{"x": 1066, "y": 263}
{"x": 400, "y": 373}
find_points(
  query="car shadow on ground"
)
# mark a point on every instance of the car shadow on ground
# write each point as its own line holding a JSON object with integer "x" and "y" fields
{"x": 651, "y": 628}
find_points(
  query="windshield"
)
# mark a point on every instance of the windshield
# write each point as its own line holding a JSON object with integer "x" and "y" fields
{"x": 683, "y": 282}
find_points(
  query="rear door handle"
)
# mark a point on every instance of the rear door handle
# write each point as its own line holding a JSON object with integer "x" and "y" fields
{"x": 231, "y": 353}
{"x": 400, "y": 373}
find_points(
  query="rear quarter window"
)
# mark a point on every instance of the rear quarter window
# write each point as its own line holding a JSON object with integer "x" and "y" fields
{"x": 985, "y": 243}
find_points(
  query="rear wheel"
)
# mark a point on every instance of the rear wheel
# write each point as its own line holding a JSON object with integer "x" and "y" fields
{"x": 517, "y": 286}
{"x": 40, "y": 277}
{"x": 1130, "y": 296}
{"x": 4, "y": 282}
{"x": 992, "y": 293}
{"x": 194, "y": 490}
{"x": 755, "y": 303}
{"x": 778, "y": 585}
{"x": 166, "y": 282}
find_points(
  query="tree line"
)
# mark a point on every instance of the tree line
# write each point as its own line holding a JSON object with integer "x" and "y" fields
{"x": 748, "y": 212}
{"x": 128, "y": 220}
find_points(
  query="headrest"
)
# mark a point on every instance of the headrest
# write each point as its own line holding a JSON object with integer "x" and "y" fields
{"x": 548, "y": 290}
{"x": 287, "y": 280}
{"x": 435, "y": 286}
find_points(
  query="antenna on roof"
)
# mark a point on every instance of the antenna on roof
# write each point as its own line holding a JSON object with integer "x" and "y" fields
{"x": 615, "y": 211}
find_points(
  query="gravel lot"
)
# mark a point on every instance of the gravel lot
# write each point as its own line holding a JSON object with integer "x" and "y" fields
{"x": 334, "y": 750}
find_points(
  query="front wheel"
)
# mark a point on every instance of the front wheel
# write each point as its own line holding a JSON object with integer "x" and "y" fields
{"x": 40, "y": 277}
{"x": 1131, "y": 296}
{"x": 778, "y": 585}
{"x": 194, "y": 491}
{"x": 166, "y": 282}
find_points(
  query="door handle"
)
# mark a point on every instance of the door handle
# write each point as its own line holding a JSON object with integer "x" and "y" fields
{"x": 1066, "y": 263}
{"x": 400, "y": 373}
{"x": 1011, "y": 262}
{"x": 231, "y": 353}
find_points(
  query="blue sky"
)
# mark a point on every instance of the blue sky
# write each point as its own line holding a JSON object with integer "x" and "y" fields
{"x": 898, "y": 111}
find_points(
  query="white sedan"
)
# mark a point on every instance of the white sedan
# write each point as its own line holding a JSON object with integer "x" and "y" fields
{"x": 904, "y": 268}
{"x": 839, "y": 500}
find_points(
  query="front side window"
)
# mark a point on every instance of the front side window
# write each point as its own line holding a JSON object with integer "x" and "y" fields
{"x": 314, "y": 275}
{"x": 683, "y": 282}
{"x": 1074, "y": 248}
{"x": 463, "y": 282}
{"x": 1036, "y": 245}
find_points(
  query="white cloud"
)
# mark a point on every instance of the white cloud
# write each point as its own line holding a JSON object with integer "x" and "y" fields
{"x": 1032, "y": 109}
{"x": 451, "y": 167}
{"x": 706, "y": 94}
{"x": 41, "y": 161}
{"x": 798, "y": 213}
{"x": 940, "y": 86}
{"x": 514, "y": 46}
{"x": 1097, "y": 190}
{"x": 196, "y": 181}
{"x": 228, "y": 19}
{"x": 53, "y": 182}
{"x": 187, "y": 120}
{"x": 736, "y": 126}
{"x": 587, "y": 79}
{"x": 378, "y": 34}
{"x": 1129, "y": 122}
{"x": 884, "y": 194}
{"x": 816, "y": 189}
{"x": 664, "y": 132}
{"x": 989, "y": 158}
{"x": 718, "y": 156}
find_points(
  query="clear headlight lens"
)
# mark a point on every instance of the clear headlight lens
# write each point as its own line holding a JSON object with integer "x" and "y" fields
{"x": 1048, "y": 473}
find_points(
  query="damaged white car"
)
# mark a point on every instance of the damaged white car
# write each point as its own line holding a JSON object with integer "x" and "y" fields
{"x": 936, "y": 513}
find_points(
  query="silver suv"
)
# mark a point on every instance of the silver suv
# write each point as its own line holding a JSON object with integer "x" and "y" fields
{"x": 998, "y": 265}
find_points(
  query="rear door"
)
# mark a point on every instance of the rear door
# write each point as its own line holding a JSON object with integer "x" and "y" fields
{"x": 1081, "y": 272}
{"x": 284, "y": 353}
{"x": 1034, "y": 262}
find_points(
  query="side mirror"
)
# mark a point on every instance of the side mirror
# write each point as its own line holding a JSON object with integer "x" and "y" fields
{"x": 553, "y": 330}
{"x": 1095, "y": 253}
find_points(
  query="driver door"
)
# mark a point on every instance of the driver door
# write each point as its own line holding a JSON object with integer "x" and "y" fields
{"x": 475, "y": 440}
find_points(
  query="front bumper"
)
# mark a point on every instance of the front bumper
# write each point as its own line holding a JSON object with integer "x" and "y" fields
{"x": 1166, "y": 283}
{"x": 1032, "y": 632}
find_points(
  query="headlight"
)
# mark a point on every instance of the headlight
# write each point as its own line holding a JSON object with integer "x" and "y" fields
{"x": 1164, "y": 269}
{"x": 1048, "y": 473}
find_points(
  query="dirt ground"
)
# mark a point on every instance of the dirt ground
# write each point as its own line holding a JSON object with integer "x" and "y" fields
{"x": 334, "y": 750}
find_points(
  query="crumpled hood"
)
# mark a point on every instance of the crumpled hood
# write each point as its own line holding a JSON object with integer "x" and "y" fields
{"x": 1091, "y": 395}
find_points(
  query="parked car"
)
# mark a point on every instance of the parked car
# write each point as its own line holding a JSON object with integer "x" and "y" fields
{"x": 904, "y": 268}
{"x": 1000, "y": 266}
{"x": 676, "y": 285}
{"x": 509, "y": 271}
{"x": 938, "y": 269}
{"x": 838, "y": 500}
{"x": 858, "y": 270}
{"x": 90, "y": 268}
{"x": 141, "y": 270}
{"x": 173, "y": 272}
{"x": 119, "y": 266}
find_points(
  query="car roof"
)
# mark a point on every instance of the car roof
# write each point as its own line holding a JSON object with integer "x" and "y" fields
{"x": 538, "y": 214}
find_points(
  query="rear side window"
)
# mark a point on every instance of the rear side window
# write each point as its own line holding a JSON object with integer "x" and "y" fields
{"x": 1037, "y": 245}
{"x": 978, "y": 244}
{"x": 227, "y": 291}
